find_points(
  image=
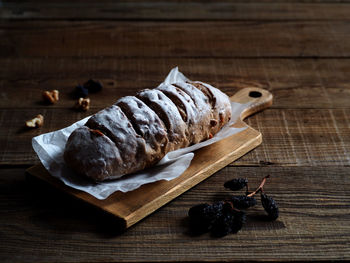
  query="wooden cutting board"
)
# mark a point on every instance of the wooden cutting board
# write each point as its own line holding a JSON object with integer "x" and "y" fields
{"x": 131, "y": 207}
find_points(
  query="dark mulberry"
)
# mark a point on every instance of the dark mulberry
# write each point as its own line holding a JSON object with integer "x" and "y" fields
{"x": 93, "y": 85}
{"x": 236, "y": 184}
{"x": 203, "y": 216}
{"x": 270, "y": 206}
{"x": 230, "y": 221}
{"x": 80, "y": 92}
{"x": 223, "y": 224}
{"x": 239, "y": 221}
{"x": 242, "y": 201}
{"x": 225, "y": 217}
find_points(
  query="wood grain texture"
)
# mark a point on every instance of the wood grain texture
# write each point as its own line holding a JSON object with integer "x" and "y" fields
{"x": 292, "y": 137}
{"x": 292, "y": 81}
{"x": 171, "y": 10}
{"x": 171, "y": 39}
{"x": 297, "y": 49}
{"x": 46, "y": 223}
{"x": 301, "y": 87}
{"x": 302, "y": 138}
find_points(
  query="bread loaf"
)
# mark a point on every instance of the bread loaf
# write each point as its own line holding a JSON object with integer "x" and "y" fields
{"x": 138, "y": 131}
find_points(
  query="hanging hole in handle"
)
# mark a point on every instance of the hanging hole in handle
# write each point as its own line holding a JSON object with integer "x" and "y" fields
{"x": 255, "y": 94}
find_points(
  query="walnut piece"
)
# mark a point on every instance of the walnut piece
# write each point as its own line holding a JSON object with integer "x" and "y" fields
{"x": 51, "y": 96}
{"x": 83, "y": 104}
{"x": 37, "y": 122}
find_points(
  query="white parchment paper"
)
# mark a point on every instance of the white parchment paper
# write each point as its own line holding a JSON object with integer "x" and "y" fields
{"x": 50, "y": 147}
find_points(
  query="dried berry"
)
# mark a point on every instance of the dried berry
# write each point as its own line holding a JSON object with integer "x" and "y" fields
{"x": 270, "y": 206}
{"x": 242, "y": 201}
{"x": 230, "y": 221}
{"x": 236, "y": 184}
{"x": 198, "y": 210}
{"x": 80, "y": 92}
{"x": 216, "y": 209}
{"x": 222, "y": 226}
{"x": 213, "y": 122}
{"x": 202, "y": 216}
{"x": 93, "y": 85}
{"x": 239, "y": 221}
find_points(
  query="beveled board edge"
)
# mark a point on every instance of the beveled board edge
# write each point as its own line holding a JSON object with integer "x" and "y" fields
{"x": 195, "y": 179}
{"x": 41, "y": 173}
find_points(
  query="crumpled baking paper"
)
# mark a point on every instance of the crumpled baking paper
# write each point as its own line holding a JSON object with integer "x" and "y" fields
{"x": 50, "y": 147}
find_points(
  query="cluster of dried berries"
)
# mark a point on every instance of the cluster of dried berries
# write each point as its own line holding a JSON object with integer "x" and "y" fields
{"x": 225, "y": 217}
{"x": 91, "y": 86}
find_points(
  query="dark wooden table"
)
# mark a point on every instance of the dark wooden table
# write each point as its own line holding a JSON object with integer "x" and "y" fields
{"x": 298, "y": 50}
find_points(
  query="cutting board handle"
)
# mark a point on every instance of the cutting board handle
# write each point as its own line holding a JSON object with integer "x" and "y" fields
{"x": 253, "y": 99}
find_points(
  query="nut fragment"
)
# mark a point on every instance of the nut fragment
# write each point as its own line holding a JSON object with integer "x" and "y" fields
{"x": 51, "y": 96}
{"x": 83, "y": 104}
{"x": 55, "y": 94}
{"x": 38, "y": 121}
